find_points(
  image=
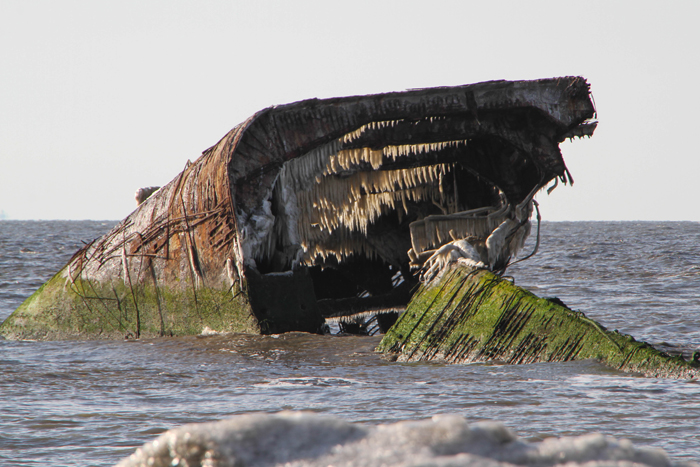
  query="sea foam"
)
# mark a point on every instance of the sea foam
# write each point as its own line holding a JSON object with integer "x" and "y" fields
{"x": 306, "y": 439}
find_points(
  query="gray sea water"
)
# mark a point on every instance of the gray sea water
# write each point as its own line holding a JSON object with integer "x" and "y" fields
{"x": 92, "y": 403}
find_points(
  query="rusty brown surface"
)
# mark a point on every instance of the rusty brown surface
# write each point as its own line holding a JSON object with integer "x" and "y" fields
{"x": 191, "y": 234}
{"x": 181, "y": 235}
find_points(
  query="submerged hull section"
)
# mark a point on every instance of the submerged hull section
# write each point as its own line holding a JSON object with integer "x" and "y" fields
{"x": 475, "y": 316}
{"x": 335, "y": 201}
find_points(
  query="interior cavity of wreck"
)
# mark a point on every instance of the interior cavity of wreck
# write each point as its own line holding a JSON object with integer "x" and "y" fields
{"x": 322, "y": 209}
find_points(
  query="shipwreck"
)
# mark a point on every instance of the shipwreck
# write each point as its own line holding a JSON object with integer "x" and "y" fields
{"x": 323, "y": 210}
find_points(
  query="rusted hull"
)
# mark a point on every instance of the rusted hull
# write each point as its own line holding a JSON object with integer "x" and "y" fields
{"x": 317, "y": 186}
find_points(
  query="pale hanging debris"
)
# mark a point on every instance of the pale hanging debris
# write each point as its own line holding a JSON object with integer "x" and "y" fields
{"x": 353, "y": 135}
{"x": 378, "y": 125}
{"x": 342, "y": 243}
{"x": 360, "y": 199}
{"x": 506, "y": 241}
{"x": 433, "y": 231}
{"x": 328, "y": 189}
{"x": 458, "y": 251}
{"x": 350, "y": 159}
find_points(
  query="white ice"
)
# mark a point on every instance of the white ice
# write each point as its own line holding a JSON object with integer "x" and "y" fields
{"x": 306, "y": 439}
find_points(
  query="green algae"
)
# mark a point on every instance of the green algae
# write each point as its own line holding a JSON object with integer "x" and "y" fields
{"x": 476, "y": 316}
{"x": 86, "y": 309}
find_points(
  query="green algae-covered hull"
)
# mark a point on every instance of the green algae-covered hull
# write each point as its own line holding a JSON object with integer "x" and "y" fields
{"x": 84, "y": 309}
{"x": 475, "y": 316}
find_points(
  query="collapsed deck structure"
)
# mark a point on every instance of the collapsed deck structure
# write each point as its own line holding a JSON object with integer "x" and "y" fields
{"x": 321, "y": 209}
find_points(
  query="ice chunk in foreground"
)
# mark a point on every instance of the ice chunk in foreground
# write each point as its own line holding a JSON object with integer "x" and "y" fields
{"x": 305, "y": 439}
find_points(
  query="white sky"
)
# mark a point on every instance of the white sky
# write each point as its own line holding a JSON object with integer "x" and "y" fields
{"x": 99, "y": 98}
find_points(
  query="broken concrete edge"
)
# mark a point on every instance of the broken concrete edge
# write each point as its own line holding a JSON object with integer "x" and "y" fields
{"x": 62, "y": 309}
{"x": 476, "y": 316}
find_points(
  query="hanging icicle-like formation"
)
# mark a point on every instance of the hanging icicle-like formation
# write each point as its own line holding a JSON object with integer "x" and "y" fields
{"x": 326, "y": 200}
{"x": 342, "y": 243}
{"x": 354, "y": 135}
{"x": 351, "y": 159}
{"x": 332, "y": 187}
{"x": 360, "y": 199}
{"x": 357, "y": 201}
{"x": 434, "y": 231}
{"x": 300, "y": 172}
{"x": 482, "y": 245}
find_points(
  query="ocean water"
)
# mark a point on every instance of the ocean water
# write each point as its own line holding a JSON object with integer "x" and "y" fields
{"x": 93, "y": 403}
